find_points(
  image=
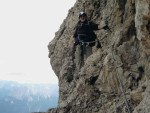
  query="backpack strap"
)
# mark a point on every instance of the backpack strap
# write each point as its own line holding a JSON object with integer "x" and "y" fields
{"x": 90, "y": 30}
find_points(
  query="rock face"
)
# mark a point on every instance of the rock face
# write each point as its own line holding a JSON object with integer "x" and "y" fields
{"x": 97, "y": 90}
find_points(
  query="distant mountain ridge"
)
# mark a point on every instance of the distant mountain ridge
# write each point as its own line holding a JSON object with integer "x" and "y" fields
{"x": 26, "y": 98}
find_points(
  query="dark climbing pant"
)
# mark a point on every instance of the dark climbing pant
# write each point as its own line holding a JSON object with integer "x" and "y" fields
{"x": 82, "y": 53}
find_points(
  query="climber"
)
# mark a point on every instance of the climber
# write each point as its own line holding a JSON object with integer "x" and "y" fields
{"x": 85, "y": 38}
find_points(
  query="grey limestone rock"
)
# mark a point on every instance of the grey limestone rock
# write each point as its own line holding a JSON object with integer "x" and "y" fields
{"x": 97, "y": 88}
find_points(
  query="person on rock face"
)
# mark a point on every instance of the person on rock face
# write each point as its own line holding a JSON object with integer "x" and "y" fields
{"x": 85, "y": 38}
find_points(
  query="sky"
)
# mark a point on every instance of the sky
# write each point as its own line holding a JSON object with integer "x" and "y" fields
{"x": 26, "y": 28}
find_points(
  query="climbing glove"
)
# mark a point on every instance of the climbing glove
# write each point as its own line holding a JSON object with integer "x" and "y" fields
{"x": 105, "y": 27}
{"x": 75, "y": 43}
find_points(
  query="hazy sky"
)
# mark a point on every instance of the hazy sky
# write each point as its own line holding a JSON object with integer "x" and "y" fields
{"x": 26, "y": 28}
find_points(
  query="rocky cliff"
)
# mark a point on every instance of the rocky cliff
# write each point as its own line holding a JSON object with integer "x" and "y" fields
{"x": 96, "y": 88}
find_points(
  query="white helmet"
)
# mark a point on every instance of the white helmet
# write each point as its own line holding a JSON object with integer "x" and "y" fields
{"x": 81, "y": 13}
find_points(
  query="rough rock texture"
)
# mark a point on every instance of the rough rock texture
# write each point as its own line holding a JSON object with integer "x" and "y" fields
{"x": 97, "y": 90}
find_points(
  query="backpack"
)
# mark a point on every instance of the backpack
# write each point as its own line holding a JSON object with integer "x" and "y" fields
{"x": 88, "y": 35}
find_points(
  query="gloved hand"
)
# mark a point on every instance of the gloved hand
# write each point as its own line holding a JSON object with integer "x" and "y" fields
{"x": 105, "y": 27}
{"x": 75, "y": 43}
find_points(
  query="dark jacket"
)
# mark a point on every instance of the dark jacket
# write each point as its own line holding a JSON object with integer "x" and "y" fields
{"x": 85, "y": 31}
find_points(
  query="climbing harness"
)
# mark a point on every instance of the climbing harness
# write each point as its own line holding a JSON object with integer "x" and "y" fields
{"x": 87, "y": 43}
{"x": 118, "y": 76}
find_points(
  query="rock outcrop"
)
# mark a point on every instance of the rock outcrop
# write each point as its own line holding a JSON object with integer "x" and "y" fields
{"x": 97, "y": 90}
